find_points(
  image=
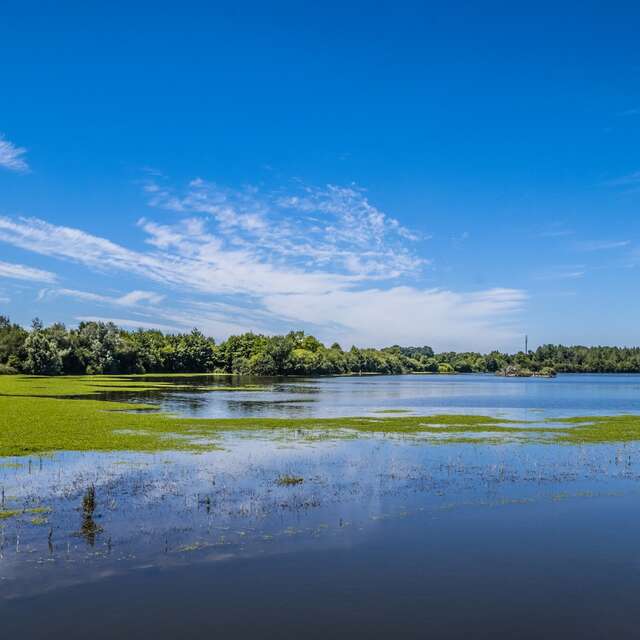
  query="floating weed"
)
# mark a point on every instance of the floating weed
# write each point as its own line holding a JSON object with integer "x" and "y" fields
{"x": 289, "y": 480}
{"x": 195, "y": 546}
{"x": 38, "y": 510}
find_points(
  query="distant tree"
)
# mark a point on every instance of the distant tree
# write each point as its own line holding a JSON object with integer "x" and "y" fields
{"x": 41, "y": 355}
{"x": 12, "y": 339}
{"x": 195, "y": 352}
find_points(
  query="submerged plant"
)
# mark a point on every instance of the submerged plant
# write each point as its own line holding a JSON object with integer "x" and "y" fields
{"x": 289, "y": 480}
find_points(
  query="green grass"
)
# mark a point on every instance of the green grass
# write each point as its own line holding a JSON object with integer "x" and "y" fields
{"x": 33, "y": 420}
{"x": 33, "y": 386}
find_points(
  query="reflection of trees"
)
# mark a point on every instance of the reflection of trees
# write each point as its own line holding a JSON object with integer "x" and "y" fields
{"x": 286, "y": 408}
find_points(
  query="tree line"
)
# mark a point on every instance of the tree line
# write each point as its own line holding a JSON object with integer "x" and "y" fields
{"x": 99, "y": 347}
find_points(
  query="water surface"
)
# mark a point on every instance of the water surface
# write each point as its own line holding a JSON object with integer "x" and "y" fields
{"x": 519, "y": 398}
{"x": 288, "y": 533}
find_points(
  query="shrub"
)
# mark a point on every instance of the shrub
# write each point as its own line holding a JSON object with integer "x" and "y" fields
{"x": 7, "y": 370}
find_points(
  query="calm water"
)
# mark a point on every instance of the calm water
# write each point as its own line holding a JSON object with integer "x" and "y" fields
{"x": 527, "y": 398}
{"x": 383, "y": 536}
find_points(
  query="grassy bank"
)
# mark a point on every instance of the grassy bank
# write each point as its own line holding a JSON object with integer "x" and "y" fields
{"x": 35, "y": 419}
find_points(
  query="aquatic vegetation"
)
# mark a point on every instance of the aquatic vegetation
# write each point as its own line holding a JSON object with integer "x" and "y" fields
{"x": 599, "y": 429}
{"x": 35, "y": 510}
{"x": 37, "y": 425}
{"x": 287, "y": 480}
{"x": 96, "y": 385}
{"x": 47, "y": 414}
{"x": 89, "y": 528}
{"x": 6, "y": 514}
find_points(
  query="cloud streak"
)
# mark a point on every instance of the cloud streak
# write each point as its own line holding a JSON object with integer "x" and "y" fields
{"x": 603, "y": 245}
{"x": 22, "y": 272}
{"x": 12, "y": 157}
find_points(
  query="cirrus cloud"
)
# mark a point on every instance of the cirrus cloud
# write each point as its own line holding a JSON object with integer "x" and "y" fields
{"x": 22, "y": 272}
{"x": 12, "y": 157}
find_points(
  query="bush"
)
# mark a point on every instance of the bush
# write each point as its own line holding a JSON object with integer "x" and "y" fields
{"x": 7, "y": 370}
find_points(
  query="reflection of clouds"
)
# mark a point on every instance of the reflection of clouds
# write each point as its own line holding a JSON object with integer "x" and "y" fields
{"x": 226, "y": 504}
{"x": 145, "y": 499}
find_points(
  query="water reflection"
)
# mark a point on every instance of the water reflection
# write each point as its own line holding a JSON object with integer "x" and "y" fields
{"x": 180, "y": 507}
{"x": 566, "y": 395}
{"x": 374, "y": 535}
{"x": 531, "y": 398}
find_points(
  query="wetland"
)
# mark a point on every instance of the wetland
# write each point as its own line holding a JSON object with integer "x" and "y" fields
{"x": 413, "y": 505}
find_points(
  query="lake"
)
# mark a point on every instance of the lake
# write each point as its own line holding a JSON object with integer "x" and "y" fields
{"x": 341, "y": 534}
{"x": 518, "y": 398}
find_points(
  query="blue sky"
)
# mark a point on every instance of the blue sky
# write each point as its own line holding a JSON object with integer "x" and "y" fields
{"x": 442, "y": 173}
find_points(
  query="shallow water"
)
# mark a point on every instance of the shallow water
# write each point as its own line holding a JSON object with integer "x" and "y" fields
{"x": 518, "y": 398}
{"x": 378, "y": 535}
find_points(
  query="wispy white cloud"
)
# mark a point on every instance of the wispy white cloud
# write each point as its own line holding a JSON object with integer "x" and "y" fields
{"x": 22, "y": 272}
{"x": 331, "y": 226}
{"x": 376, "y": 317}
{"x": 215, "y": 318}
{"x": 326, "y": 260}
{"x": 12, "y": 157}
{"x": 137, "y": 297}
{"x": 197, "y": 261}
{"x": 132, "y": 299}
{"x": 570, "y": 272}
{"x": 129, "y": 323}
{"x": 603, "y": 245}
{"x": 555, "y": 230}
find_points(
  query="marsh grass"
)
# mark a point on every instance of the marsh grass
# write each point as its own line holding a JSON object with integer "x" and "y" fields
{"x": 287, "y": 480}
{"x": 39, "y": 512}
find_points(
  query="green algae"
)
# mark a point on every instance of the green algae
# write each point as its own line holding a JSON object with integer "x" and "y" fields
{"x": 598, "y": 429}
{"x": 96, "y": 385}
{"x": 42, "y": 415}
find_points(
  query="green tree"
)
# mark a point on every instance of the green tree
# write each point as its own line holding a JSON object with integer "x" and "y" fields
{"x": 42, "y": 357}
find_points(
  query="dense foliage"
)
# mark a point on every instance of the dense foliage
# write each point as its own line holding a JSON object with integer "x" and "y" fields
{"x": 97, "y": 347}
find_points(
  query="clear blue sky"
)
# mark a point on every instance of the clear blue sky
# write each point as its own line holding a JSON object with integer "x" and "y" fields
{"x": 456, "y": 174}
